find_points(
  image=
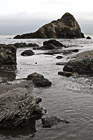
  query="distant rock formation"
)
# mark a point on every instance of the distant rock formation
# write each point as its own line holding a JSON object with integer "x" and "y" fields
{"x": 65, "y": 27}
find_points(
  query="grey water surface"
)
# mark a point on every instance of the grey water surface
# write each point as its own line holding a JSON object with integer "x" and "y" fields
{"x": 67, "y": 98}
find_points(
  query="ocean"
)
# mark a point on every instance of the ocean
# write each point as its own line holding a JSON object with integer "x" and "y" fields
{"x": 67, "y": 98}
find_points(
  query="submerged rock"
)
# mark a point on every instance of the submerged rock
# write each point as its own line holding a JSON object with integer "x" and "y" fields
{"x": 39, "y": 80}
{"x": 65, "y": 27}
{"x": 20, "y": 45}
{"x": 7, "y": 54}
{"x": 82, "y": 66}
{"x": 59, "y": 57}
{"x": 27, "y": 53}
{"x": 67, "y": 74}
{"x": 24, "y": 45}
{"x": 50, "y": 121}
{"x": 88, "y": 37}
{"x": 17, "y": 106}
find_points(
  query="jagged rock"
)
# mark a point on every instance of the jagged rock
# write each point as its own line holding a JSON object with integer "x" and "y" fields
{"x": 67, "y": 74}
{"x": 50, "y": 121}
{"x": 7, "y": 54}
{"x": 88, "y": 37}
{"x": 39, "y": 80}
{"x": 65, "y": 27}
{"x": 17, "y": 105}
{"x": 27, "y": 53}
{"x": 82, "y": 66}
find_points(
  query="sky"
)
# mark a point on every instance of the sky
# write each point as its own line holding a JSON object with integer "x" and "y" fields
{"x": 22, "y": 16}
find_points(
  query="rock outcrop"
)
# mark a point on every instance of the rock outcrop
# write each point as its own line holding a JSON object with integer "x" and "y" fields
{"x": 7, "y": 54}
{"x": 65, "y": 27}
{"x": 83, "y": 66}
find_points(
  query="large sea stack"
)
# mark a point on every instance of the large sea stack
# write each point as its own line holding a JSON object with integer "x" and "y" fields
{"x": 65, "y": 27}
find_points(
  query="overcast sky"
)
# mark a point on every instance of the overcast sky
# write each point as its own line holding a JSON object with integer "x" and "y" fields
{"x": 21, "y": 16}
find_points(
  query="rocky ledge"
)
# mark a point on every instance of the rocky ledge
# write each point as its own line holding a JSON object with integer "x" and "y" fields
{"x": 17, "y": 105}
{"x": 65, "y": 27}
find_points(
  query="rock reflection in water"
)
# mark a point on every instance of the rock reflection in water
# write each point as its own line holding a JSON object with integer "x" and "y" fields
{"x": 7, "y": 72}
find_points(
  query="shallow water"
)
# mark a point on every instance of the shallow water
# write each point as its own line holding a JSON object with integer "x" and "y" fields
{"x": 67, "y": 98}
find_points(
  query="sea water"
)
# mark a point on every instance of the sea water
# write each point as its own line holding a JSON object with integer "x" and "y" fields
{"x": 67, "y": 98}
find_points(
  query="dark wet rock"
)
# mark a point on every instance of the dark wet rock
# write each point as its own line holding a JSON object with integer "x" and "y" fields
{"x": 27, "y": 53}
{"x": 7, "y": 54}
{"x": 39, "y": 80}
{"x": 56, "y": 43}
{"x": 20, "y": 45}
{"x": 51, "y": 44}
{"x": 82, "y": 66}
{"x": 17, "y": 106}
{"x": 88, "y": 37}
{"x": 67, "y": 74}
{"x": 59, "y": 57}
{"x": 65, "y": 27}
{"x": 61, "y": 63}
{"x": 50, "y": 121}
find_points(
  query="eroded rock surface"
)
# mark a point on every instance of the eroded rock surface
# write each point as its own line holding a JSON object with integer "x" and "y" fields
{"x": 65, "y": 27}
{"x": 17, "y": 105}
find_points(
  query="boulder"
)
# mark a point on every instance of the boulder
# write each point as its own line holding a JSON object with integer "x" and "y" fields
{"x": 50, "y": 121}
{"x": 51, "y": 44}
{"x": 54, "y": 42}
{"x": 65, "y": 27}
{"x": 7, "y": 54}
{"x": 27, "y": 53}
{"x": 39, "y": 80}
{"x": 82, "y": 66}
{"x": 17, "y": 105}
